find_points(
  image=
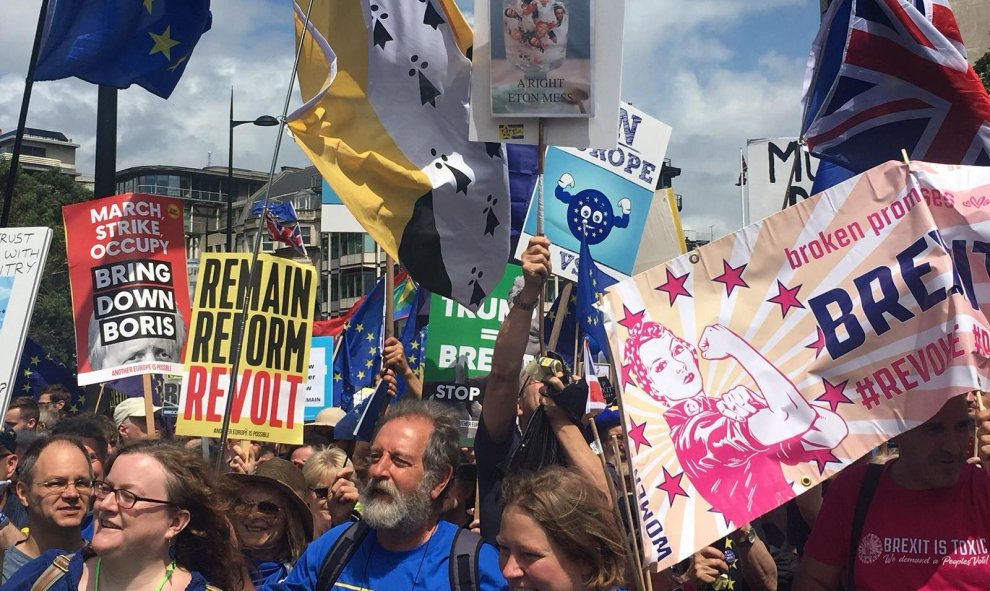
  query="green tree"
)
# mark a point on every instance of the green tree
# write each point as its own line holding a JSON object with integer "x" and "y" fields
{"x": 38, "y": 201}
{"x": 982, "y": 67}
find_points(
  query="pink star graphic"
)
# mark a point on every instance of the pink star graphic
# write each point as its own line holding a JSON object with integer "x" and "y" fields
{"x": 786, "y": 298}
{"x": 819, "y": 344}
{"x": 672, "y": 486}
{"x": 674, "y": 286}
{"x": 631, "y": 319}
{"x": 823, "y": 458}
{"x": 637, "y": 435}
{"x": 834, "y": 394}
{"x": 720, "y": 514}
{"x": 627, "y": 375}
{"x": 731, "y": 277}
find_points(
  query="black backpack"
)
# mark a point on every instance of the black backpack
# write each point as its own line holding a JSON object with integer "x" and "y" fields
{"x": 463, "y": 558}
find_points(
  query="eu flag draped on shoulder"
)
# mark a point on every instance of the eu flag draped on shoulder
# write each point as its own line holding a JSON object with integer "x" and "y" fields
{"x": 386, "y": 123}
{"x": 887, "y": 75}
{"x": 122, "y": 42}
{"x": 358, "y": 357}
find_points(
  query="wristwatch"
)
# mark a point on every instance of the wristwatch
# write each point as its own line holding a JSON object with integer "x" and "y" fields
{"x": 741, "y": 539}
{"x": 527, "y": 306}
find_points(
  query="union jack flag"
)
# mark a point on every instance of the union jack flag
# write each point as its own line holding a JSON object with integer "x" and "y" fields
{"x": 282, "y": 224}
{"x": 887, "y": 75}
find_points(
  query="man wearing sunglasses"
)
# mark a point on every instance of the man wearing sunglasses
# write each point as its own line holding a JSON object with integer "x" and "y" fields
{"x": 56, "y": 484}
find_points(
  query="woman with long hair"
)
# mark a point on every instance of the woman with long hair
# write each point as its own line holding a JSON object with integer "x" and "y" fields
{"x": 559, "y": 533}
{"x": 160, "y": 525}
{"x": 271, "y": 518}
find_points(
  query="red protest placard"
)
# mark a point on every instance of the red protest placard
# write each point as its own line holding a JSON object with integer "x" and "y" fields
{"x": 130, "y": 295}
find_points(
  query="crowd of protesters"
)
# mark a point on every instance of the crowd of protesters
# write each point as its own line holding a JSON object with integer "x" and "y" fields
{"x": 94, "y": 503}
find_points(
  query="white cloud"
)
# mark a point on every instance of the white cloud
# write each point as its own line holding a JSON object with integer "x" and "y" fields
{"x": 682, "y": 64}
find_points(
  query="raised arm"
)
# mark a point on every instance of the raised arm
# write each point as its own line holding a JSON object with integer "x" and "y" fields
{"x": 499, "y": 411}
{"x": 787, "y": 413}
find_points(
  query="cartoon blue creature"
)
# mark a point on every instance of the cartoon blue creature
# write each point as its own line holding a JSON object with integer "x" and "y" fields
{"x": 590, "y": 211}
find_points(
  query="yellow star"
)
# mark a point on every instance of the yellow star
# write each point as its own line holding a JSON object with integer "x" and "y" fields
{"x": 35, "y": 360}
{"x": 369, "y": 363}
{"x": 73, "y": 408}
{"x": 728, "y": 544}
{"x": 360, "y": 375}
{"x": 26, "y": 387}
{"x": 163, "y": 43}
{"x": 370, "y": 337}
{"x": 178, "y": 63}
{"x": 147, "y": 5}
{"x": 552, "y": 315}
{"x": 82, "y": 400}
{"x": 27, "y": 373}
{"x": 412, "y": 360}
{"x": 371, "y": 350}
{"x": 347, "y": 325}
{"x": 573, "y": 299}
{"x": 414, "y": 345}
{"x": 359, "y": 327}
{"x": 337, "y": 377}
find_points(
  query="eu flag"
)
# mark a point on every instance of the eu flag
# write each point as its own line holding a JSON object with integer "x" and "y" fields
{"x": 38, "y": 370}
{"x": 122, "y": 42}
{"x": 359, "y": 357}
{"x": 591, "y": 283}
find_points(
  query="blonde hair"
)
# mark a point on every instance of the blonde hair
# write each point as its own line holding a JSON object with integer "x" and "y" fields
{"x": 576, "y": 516}
{"x": 325, "y": 463}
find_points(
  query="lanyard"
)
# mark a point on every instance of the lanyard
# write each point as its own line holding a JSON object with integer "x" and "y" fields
{"x": 168, "y": 575}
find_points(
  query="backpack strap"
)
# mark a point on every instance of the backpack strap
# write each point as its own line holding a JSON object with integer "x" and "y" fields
{"x": 340, "y": 554}
{"x": 464, "y": 552}
{"x": 866, "y": 491}
{"x": 53, "y": 574}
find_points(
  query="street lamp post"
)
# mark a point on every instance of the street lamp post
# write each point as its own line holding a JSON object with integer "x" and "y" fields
{"x": 263, "y": 121}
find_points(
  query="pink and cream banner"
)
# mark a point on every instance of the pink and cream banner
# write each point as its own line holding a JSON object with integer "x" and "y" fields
{"x": 761, "y": 364}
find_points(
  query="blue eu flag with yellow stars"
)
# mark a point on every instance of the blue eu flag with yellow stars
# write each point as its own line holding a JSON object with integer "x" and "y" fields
{"x": 122, "y": 42}
{"x": 358, "y": 357}
{"x": 591, "y": 284}
{"x": 38, "y": 370}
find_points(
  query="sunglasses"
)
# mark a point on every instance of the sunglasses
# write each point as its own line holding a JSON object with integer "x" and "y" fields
{"x": 263, "y": 507}
{"x": 322, "y": 492}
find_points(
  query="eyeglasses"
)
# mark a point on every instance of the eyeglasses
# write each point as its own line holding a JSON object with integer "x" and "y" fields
{"x": 263, "y": 507}
{"x": 57, "y": 486}
{"x": 322, "y": 492}
{"x": 124, "y": 497}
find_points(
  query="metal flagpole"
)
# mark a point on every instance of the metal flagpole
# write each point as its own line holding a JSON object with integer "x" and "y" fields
{"x": 238, "y": 332}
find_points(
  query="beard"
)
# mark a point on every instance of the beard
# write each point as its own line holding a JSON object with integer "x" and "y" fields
{"x": 402, "y": 514}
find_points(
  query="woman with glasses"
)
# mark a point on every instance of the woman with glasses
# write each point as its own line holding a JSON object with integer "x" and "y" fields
{"x": 332, "y": 494}
{"x": 271, "y": 519}
{"x": 159, "y": 525}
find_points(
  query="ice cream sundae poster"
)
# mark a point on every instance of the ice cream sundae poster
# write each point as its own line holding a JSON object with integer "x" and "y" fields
{"x": 541, "y": 61}
{"x": 603, "y": 194}
{"x": 759, "y": 365}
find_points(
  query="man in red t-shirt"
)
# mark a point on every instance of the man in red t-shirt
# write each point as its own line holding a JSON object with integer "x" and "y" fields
{"x": 928, "y": 525}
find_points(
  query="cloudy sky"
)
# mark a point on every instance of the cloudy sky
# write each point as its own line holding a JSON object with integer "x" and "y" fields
{"x": 718, "y": 71}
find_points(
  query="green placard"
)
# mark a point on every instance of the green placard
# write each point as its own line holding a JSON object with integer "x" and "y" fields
{"x": 459, "y": 337}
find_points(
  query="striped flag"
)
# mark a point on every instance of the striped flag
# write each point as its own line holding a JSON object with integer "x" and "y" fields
{"x": 596, "y": 399}
{"x": 385, "y": 121}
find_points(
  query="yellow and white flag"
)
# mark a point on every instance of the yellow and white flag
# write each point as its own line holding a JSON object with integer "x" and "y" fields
{"x": 386, "y": 86}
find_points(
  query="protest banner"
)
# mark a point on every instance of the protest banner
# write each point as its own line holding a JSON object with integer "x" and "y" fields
{"x": 611, "y": 192}
{"x": 22, "y": 258}
{"x": 127, "y": 269}
{"x": 461, "y": 342}
{"x": 769, "y": 165}
{"x": 541, "y": 58}
{"x": 319, "y": 390}
{"x": 763, "y": 363}
{"x": 273, "y": 367}
{"x": 574, "y": 129}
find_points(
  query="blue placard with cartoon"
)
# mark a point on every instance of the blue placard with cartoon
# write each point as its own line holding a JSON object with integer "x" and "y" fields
{"x": 319, "y": 386}
{"x": 605, "y": 193}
